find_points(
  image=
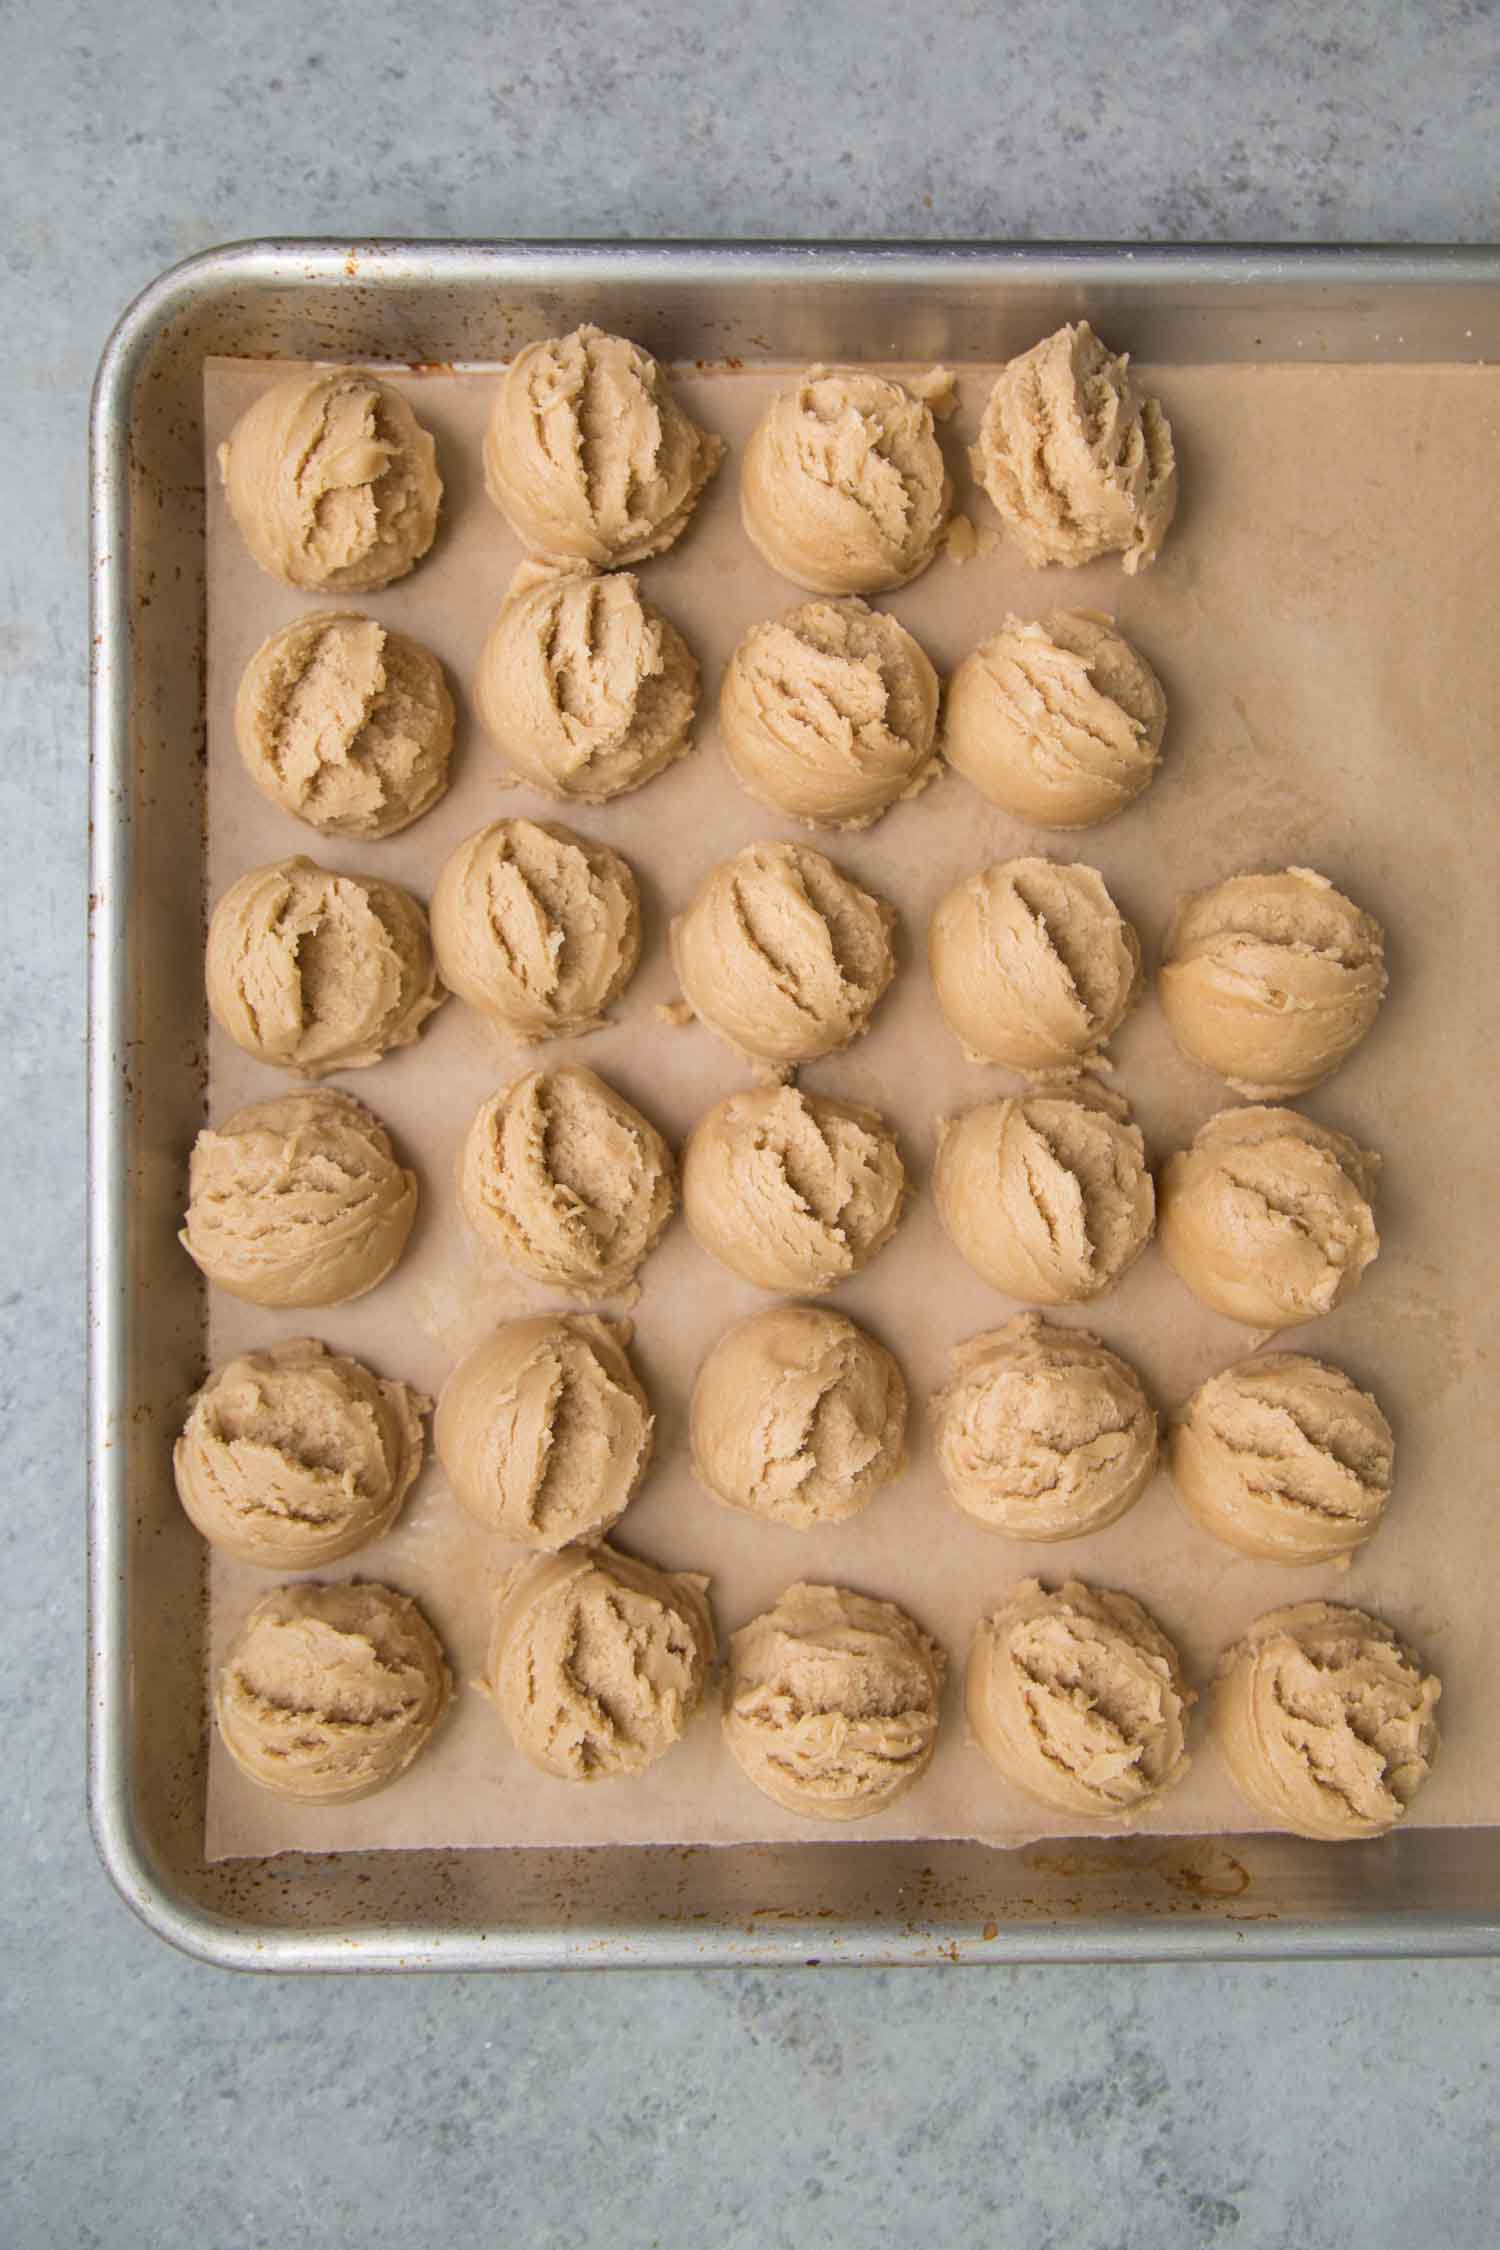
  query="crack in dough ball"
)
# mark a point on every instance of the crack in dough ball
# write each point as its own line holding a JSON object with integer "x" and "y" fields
{"x": 1047, "y": 1197}
{"x": 1034, "y": 965}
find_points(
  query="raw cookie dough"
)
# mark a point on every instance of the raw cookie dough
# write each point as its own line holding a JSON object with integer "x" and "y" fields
{"x": 598, "y": 1661}
{"x": 1034, "y": 965}
{"x": 798, "y": 1417}
{"x": 294, "y": 1456}
{"x": 1267, "y": 1216}
{"x": 584, "y": 688}
{"x": 1041, "y": 1433}
{"x": 298, "y": 1201}
{"x": 1059, "y": 723}
{"x": 345, "y": 724}
{"x": 792, "y": 1191}
{"x": 1283, "y": 1457}
{"x": 588, "y": 456}
{"x": 537, "y": 928}
{"x": 830, "y": 713}
{"x": 329, "y": 1692}
{"x": 544, "y": 1431}
{"x": 1272, "y": 980}
{"x": 843, "y": 488}
{"x": 1325, "y": 1721}
{"x": 333, "y": 481}
{"x": 1077, "y": 461}
{"x": 567, "y": 1181}
{"x": 831, "y": 1702}
{"x": 312, "y": 971}
{"x": 1078, "y": 1699}
{"x": 1047, "y": 1197}
{"x": 781, "y": 954}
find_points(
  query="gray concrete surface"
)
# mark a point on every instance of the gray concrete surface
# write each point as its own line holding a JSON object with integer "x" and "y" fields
{"x": 147, "y": 2101}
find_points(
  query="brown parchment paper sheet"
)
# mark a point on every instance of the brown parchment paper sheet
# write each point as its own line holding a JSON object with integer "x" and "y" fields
{"x": 1324, "y": 620}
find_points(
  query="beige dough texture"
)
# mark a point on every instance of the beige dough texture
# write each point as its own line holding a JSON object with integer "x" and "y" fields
{"x": 544, "y": 1431}
{"x": 333, "y": 481}
{"x": 782, "y": 955}
{"x": 1058, "y": 722}
{"x": 798, "y": 1417}
{"x": 1284, "y": 1458}
{"x": 292, "y": 1457}
{"x": 312, "y": 971}
{"x": 793, "y": 1192}
{"x": 345, "y": 724}
{"x": 598, "y": 1661}
{"x": 830, "y": 713}
{"x": 298, "y": 1201}
{"x": 1078, "y": 1699}
{"x": 831, "y": 1702}
{"x": 584, "y": 688}
{"x": 1042, "y": 1433}
{"x": 566, "y": 1181}
{"x": 1267, "y": 1217}
{"x": 1272, "y": 980}
{"x": 1077, "y": 460}
{"x": 588, "y": 456}
{"x": 843, "y": 488}
{"x": 329, "y": 1692}
{"x": 1034, "y": 965}
{"x": 1325, "y": 1721}
{"x": 1048, "y": 1198}
{"x": 537, "y": 928}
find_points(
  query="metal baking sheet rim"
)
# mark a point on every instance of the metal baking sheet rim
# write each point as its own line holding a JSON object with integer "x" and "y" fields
{"x": 1391, "y": 1921}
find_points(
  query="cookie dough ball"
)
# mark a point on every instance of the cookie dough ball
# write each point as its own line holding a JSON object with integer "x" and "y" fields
{"x": 782, "y": 955}
{"x": 567, "y": 1181}
{"x": 585, "y": 689}
{"x": 792, "y": 1191}
{"x": 588, "y": 456}
{"x": 1047, "y": 1198}
{"x": 329, "y": 1692}
{"x": 298, "y": 1201}
{"x": 1041, "y": 1433}
{"x": 544, "y": 1431}
{"x": 1077, "y": 460}
{"x": 1272, "y": 980}
{"x": 1267, "y": 1217}
{"x": 1325, "y": 1721}
{"x": 1034, "y": 965}
{"x": 333, "y": 481}
{"x": 345, "y": 724}
{"x": 843, "y": 488}
{"x": 1078, "y": 1699}
{"x": 598, "y": 1661}
{"x": 830, "y": 713}
{"x": 831, "y": 1702}
{"x": 1284, "y": 1458}
{"x": 295, "y": 1456}
{"x": 1059, "y": 723}
{"x": 537, "y": 928}
{"x": 313, "y": 971}
{"x": 798, "y": 1417}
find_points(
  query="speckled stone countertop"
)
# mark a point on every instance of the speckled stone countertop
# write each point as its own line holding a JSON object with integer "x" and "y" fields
{"x": 149, "y": 2101}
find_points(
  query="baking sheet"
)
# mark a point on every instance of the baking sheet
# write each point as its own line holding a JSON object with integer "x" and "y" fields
{"x": 1322, "y": 618}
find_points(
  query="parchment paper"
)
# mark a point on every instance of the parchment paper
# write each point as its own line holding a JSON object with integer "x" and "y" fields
{"x": 1324, "y": 620}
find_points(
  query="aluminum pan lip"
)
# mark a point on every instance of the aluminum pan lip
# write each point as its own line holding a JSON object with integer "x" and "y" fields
{"x": 146, "y": 1886}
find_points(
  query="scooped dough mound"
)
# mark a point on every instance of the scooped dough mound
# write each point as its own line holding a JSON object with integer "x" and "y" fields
{"x": 1034, "y": 965}
{"x": 333, "y": 481}
{"x": 1047, "y": 1197}
{"x": 298, "y": 1201}
{"x": 329, "y": 1692}
{"x": 1077, "y": 460}
{"x": 598, "y": 1661}
{"x": 1078, "y": 1699}
{"x": 537, "y": 928}
{"x": 1325, "y": 1721}
{"x": 831, "y": 1702}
